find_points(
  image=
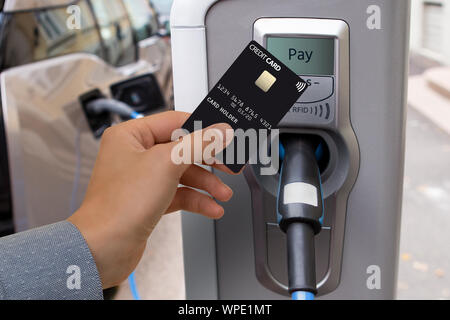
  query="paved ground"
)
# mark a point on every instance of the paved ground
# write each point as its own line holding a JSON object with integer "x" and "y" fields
{"x": 425, "y": 241}
{"x": 424, "y": 269}
{"x": 160, "y": 275}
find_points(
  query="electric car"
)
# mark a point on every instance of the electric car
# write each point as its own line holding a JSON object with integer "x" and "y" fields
{"x": 55, "y": 57}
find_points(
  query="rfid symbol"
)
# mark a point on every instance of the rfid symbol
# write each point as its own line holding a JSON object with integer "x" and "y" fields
{"x": 321, "y": 111}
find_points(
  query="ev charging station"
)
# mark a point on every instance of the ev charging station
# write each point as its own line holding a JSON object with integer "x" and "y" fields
{"x": 353, "y": 54}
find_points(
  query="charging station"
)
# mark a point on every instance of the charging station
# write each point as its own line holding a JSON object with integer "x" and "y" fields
{"x": 353, "y": 54}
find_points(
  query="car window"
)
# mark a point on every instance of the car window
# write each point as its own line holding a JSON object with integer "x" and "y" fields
{"x": 41, "y": 34}
{"x": 143, "y": 18}
{"x": 163, "y": 6}
{"x": 16, "y": 5}
{"x": 115, "y": 30}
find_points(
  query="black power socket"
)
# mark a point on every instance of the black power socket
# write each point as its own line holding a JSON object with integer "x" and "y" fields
{"x": 98, "y": 122}
{"x": 142, "y": 93}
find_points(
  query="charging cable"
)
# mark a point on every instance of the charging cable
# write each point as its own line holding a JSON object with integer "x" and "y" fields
{"x": 115, "y": 106}
{"x": 133, "y": 286}
{"x": 300, "y": 212}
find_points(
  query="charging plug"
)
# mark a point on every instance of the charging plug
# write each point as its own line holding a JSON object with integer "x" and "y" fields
{"x": 300, "y": 209}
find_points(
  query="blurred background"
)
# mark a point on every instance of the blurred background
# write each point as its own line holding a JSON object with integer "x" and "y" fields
{"x": 134, "y": 36}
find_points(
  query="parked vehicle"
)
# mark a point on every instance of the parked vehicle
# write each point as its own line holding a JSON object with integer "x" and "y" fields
{"x": 48, "y": 67}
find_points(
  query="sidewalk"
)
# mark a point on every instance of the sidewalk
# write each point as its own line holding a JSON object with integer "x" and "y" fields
{"x": 424, "y": 267}
{"x": 160, "y": 275}
{"x": 429, "y": 93}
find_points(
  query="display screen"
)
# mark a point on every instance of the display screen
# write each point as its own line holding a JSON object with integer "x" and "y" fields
{"x": 304, "y": 56}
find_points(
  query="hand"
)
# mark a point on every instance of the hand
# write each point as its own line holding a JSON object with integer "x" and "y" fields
{"x": 134, "y": 183}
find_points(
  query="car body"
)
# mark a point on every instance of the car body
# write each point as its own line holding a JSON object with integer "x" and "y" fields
{"x": 48, "y": 61}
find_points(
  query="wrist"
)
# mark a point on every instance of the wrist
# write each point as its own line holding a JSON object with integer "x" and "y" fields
{"x": 115, "y": 256}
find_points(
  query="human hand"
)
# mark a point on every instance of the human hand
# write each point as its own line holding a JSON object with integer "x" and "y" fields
{"x": 134, "y": 183}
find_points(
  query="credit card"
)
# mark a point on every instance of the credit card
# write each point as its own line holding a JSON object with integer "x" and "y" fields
{"x": 255, "y": 93}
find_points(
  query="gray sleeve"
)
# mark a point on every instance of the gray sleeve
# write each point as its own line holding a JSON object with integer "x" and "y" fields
{"x": 49, "y": 263}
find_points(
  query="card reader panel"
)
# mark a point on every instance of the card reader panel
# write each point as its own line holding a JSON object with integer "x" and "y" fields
{"x": 318, "y": 51}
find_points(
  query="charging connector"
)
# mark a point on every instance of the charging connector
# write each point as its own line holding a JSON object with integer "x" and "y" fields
{"x": 120, "y": 108}
{"x": 300, "y": 209}
{"x": 98, "y": 110}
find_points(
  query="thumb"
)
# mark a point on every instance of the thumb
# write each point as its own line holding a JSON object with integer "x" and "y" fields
{"x": 199, "y": 147}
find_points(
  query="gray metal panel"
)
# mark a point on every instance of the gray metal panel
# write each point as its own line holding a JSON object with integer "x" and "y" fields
{"x": 378, "y": 73}
{"x": 199, "y": 253}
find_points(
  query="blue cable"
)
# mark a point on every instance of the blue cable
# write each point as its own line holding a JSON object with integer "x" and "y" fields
{"x": 303, "y": 295}
{"x": 137, "y": 115}
{"x": 133, "y": 286}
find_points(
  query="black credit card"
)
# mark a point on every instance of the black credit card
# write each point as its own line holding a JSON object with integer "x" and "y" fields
{"x": 255, "y": 93}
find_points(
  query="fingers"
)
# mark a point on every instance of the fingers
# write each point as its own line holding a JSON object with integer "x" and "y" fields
{"x": 187, "y": 199}
{"x": 157, "y": 128}
{"x": 199, "y": 178}
{"x": 198, "y": 147}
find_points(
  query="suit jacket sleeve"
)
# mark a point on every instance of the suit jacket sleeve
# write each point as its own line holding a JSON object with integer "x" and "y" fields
{"x": 49, "y": 263}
